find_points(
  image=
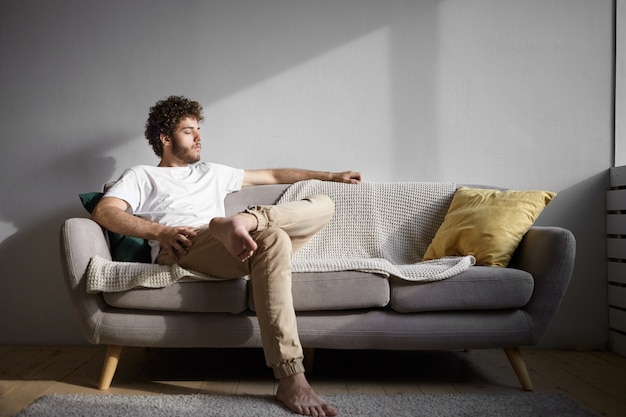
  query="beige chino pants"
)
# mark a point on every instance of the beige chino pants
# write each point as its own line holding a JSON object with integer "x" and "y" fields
{"x": 282, "y": 230}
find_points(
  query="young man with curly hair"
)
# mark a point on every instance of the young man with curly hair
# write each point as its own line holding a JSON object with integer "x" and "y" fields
{"x": 179, "y": 207}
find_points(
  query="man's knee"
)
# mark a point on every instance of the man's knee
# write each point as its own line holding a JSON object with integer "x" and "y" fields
{"x": 324, "y": 204}
{"x": 274, "y": 239}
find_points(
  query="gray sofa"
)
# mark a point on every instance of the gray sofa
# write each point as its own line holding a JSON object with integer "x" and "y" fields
{"x": 484, "y": 307}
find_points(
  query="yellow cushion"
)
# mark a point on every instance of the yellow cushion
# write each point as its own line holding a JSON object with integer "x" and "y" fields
{"x": 488, "y": 224}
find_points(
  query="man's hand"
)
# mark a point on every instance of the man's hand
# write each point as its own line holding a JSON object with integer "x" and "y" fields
{"x": 176, "y": 240}
{"x": 111, "y": 213}
{"x": 350, "y": 177}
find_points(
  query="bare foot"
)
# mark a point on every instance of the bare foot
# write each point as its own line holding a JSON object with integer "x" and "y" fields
{"x": 234, "y": 233}
{"x": 296, "y": 393}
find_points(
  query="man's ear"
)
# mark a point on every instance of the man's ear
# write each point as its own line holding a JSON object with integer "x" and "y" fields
{"x": 165, "y": 140}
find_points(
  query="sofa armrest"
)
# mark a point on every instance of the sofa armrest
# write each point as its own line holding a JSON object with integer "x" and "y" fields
{"x": 548, "y": 253}
{"x": 80, "y": 240}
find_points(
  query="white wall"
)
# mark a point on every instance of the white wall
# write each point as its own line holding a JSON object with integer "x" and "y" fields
{"x": 503, "y": 92}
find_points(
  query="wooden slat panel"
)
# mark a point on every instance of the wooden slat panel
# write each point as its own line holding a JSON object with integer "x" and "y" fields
{"x": 616, "y": 224}
{"x": 617, "y": 176}
{"x": 616, "y": 200}
{"x": 617, "y": 343}
{"x": 617, "y": 296}
{"x": 617, "y": 319}
{"x": 617, "y": 272}
{"x": 616, "y": 248}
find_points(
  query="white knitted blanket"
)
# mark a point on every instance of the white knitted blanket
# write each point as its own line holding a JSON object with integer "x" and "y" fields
{"x": 383, "y": 228}
{"x": 379, "y": 227}
{"x": 104, "y": 275}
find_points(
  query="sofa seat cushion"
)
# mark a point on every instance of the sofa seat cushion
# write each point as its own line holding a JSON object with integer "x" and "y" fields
{"x": 479, "y": 288}
{"x": 227, "y": 296}
{"x": 346, "y": 290}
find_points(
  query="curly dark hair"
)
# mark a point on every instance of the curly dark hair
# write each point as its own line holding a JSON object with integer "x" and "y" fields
{"x": 165, "y": 116}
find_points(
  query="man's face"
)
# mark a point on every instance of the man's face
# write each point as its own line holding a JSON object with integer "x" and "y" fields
{"x": 186, "y": 141}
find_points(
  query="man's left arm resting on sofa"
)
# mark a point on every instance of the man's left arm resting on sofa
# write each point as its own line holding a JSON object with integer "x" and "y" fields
{"x": 290, "y": 176}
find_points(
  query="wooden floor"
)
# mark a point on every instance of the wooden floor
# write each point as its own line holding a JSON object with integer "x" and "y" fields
{"x": 596, "y": 380}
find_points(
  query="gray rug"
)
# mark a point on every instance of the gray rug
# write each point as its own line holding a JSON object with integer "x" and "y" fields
{"x": 431, "y": 405}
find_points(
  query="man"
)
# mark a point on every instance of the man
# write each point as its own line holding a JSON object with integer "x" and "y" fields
{"x": 179, "y": 206}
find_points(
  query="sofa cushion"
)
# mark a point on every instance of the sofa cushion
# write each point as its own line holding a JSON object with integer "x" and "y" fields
{"x": 344, "y": 290}
{"x": 227, "y": 296}
{"x": 488, "y": 224}
{"x": 311, "y": 291}
{"x": 123, "y": 248}
{"x": 479, "y": 288}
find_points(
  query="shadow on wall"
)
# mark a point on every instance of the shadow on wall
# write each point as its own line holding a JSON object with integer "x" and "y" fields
{"x": 35, "y": 307}
{"x": 582, "y": 320}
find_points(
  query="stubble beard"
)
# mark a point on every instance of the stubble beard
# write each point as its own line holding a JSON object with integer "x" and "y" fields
{"x": 186, "y": 155}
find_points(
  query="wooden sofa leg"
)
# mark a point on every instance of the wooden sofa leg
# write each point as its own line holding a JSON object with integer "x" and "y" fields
{"x": 519, "y": 366}
{"x": 110, "y": 365}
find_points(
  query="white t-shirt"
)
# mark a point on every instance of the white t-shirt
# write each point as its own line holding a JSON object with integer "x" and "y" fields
{"x": 179, "y": 196}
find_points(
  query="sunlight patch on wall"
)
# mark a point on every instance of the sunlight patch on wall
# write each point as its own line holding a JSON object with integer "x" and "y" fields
{"x": 322, "y": 111}
{"x": 7, "y": 229}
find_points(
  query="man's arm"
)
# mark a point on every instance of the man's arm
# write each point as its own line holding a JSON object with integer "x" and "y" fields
{"x": 111, "y": 214}
{"x": 290, "y": 176}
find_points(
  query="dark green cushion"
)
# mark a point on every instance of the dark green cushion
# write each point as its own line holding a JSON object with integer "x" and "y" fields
{"x": 123, "y": 248}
